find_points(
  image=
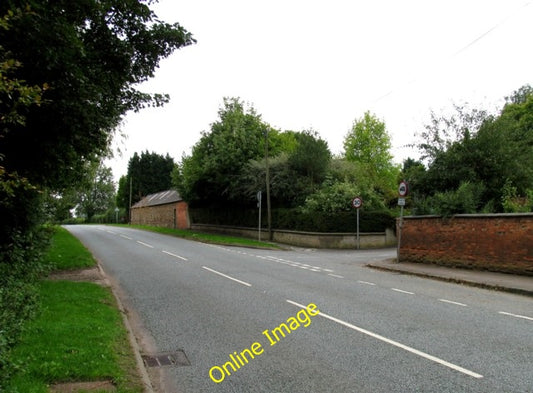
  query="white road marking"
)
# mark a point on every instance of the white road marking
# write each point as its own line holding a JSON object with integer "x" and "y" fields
{"x": 515, "y": 315}
{"x": 402, "y": 291}
{"x": 365, "y": 282}
{"x": 335, "y": 275}
{"x": 145, "y": 244}
{"x": 174, "y": 255}
{"x": 111, "y": 232}
{"x": 226, "y": 276}
{"x": 451, "y": 302}
{"x": 395, "y": 343}
{"x": 126, "y": 237}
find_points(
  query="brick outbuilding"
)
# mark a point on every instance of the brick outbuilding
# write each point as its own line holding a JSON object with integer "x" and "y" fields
{"x": 163, "y": 209}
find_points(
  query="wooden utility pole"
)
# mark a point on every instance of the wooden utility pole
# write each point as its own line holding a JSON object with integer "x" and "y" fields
{"x": 269, "y": 215}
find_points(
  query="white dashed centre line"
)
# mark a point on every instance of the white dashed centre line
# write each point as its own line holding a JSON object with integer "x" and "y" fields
{"x": 145, "y": 244}
{"x": 395, "y": 343}
{"x": 402, "y": 291}
{"x": 365, "y": 282}
{"x": 335, "y": 275}
{"x": 452, "y": 302}
{"x": 226, "y": 276}
{"x": 174, "y": 255}
{"x": 515, "y": 315}
{"x": 126, "y": 237}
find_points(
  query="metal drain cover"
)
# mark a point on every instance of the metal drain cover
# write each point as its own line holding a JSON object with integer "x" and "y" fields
{"x": 176, "y": 359}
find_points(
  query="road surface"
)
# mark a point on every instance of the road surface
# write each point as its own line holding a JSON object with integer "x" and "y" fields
{"x": 251, "y": 320}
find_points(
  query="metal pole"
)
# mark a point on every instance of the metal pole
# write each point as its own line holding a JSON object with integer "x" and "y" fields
{"x": 259, "y": 228}
{"x": 358, "y": 242}
{"x": 399, "y": 235}
{"x": 129, "y": 211}
{"x": 269, "y": 215}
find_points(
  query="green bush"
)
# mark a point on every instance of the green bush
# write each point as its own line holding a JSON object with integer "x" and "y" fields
{"x": 20, "y": 268}
{"x": 466, "y": 199}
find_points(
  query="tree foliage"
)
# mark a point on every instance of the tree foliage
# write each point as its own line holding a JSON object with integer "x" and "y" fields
{"x": 491, "y": 156}
{"x": 69, "y": 72}
{"x": 149, "y": 173}
{"x": 344, "y": 181}
{"x": 295, "y": 172}
{"x": 97, "y": 194}
{"x": 211, "y": 174}
{"x": 368, "y": 143}
{"x": 89, "y": 55}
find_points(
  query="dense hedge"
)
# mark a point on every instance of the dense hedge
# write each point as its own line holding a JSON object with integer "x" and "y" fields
{"x": 294, "y": 219}
{"x": 20, "y": 268}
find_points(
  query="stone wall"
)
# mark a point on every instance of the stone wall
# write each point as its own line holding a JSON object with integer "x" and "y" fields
{"x": 496, "y": 242}
{"x": 308, "y": 239}
{"x": 170, "y": 215}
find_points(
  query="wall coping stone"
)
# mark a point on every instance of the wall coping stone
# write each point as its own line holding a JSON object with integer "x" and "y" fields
{"x": 488, "y": 215}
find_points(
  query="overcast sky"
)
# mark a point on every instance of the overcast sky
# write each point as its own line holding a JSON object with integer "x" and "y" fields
{"x": 321, "y": 64}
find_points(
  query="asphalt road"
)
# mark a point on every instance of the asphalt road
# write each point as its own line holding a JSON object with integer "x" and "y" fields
{"x": 374, "y": 332}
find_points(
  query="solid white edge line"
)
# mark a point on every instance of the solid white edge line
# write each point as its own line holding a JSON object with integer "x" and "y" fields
{"x": 395, "y": 343}
{"x": 174, "y": 255}
{"x": 452, "y": 302}
{"x": 515, "y": 315}
{"x": 365, "y": 282}
{"x": 226, "y": 276}
{"x": 145, "y": 244}
{"x": 402, "y": 291}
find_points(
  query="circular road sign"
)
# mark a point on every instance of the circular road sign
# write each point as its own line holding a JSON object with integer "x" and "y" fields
{"x": 357, "y": 202}
{"x": 403, "y": 189}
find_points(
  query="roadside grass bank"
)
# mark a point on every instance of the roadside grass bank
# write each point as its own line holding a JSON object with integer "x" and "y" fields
{"x": 78, "y": 335}
{"x": 67, "y": 253}
{"x": 205, "y": 237}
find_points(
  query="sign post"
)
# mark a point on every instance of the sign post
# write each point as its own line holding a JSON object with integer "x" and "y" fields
{"x": 403, "y": 190}
{"x": 259, "y": 197}
{"x": 357, "y": 202}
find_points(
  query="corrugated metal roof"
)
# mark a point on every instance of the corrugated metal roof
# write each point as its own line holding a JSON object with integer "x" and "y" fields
{"x": 159, "y": 198}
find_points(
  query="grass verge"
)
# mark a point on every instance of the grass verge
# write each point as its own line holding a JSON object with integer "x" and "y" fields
{"x": 78, "y": 335}
{"x": 66, "y": 252}
{"x": 205, "y": 237}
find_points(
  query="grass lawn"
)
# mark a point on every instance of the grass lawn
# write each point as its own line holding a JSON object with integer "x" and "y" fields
{"x": 205, "y": 237}
{"x": 78, "y": 335}
{"x": 66, "y": 252}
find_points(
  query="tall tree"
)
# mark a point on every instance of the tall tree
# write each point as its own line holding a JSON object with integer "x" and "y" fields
{"x": 69, "y": 71}
{"x": 149, "y": 173}
{"x": 311, "y": 156}
{"x": 97, "y": 194}
{"x": 297, "y": 167}
{"x": 490, "y": 153}
{"x": 210, "y": 175}
{"x": 90, "y": 56}
{"x": 368, "y": 143}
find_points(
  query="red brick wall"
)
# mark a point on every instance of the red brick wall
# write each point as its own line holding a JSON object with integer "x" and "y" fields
{"x": 497, "y": 242}
{"x": 162, "y": 215}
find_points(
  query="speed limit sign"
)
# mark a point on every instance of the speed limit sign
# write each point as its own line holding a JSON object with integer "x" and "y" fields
{"x": 357, "y": 202}
{"x": 403, "y": 189}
